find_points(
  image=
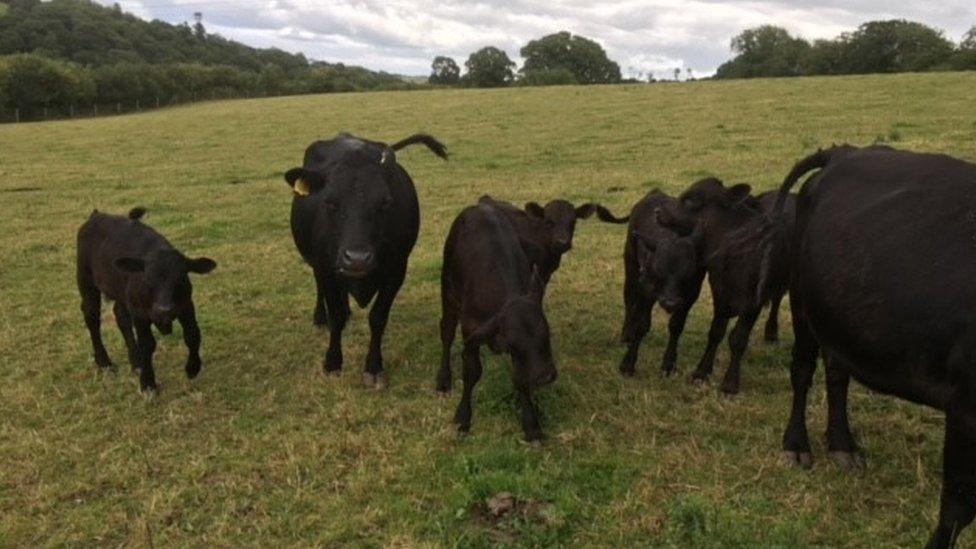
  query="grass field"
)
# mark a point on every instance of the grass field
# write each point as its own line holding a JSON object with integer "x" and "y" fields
{"x": 262, "y": 449}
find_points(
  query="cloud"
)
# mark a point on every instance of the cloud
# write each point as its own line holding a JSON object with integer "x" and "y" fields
{"x": 402, "y": 36}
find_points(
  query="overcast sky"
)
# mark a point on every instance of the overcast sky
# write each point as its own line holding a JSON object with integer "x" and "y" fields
{"x": 403, "y": 36}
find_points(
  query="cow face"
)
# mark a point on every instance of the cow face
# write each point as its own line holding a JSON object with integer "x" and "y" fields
{"x": 665, "y": 264}
{"x": 521, "y": 330}
{"x": 560, "y": 216}
{"x": 165, "y": 274}
{"x": 352, "y": 200}
{"x": 712, "y": 192}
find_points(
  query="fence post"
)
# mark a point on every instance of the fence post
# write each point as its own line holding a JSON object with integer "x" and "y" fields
{"x": 17, "y": 115}
{"x": 137, "y": 104}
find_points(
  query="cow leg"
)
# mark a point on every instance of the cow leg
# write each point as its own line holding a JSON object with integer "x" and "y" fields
{"x": 530, "y": 416}
{"x": 738, "y": 341}
{"x": 958, "y": 505}
{"x": 320, "y": 316}
{"x": 91, "y": 308}
{"x": 379, "y": 315}
{"x": 796, "y": 441}
{"x": 338, "y": 315}
{"x": 637, "y": 322}
{"x": 676, "y": 326}
{"x": 472, "y": 374}
{"x": 124, "y": 321}
{"x": 840, "y": 441}
{"x": 191, "y": 336}
{"x": 715, "y": 335}
{"x": 772, "y": 321}
{"x": 147, "y": 346}
{"x": 449, "y": 322}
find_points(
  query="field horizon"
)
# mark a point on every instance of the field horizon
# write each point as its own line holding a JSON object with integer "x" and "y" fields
{"x": 263, "y": 449}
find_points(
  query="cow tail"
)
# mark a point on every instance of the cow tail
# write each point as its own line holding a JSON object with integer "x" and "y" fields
{"x": 429, "y": 141}
{"x": 815, "y": 161}
{"x": 604, "y": 215}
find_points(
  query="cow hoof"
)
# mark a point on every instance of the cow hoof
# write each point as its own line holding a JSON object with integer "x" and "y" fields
{"x": 192, "y": 371}
{"x": 149, "y": 393}
{"x": 443, "y": 394}
{"x": 333, "y": 373}
{"x": 804, "y": 460}
{"x": 375, "y": 381}
{"x": 109, "y": 368}
{"x": 728, "y": 394}
{"x": 698, "y": 380}
{"x": 537, "y": 443}
{"x": 463, "y": 432}
{"x": 850, "y": 461}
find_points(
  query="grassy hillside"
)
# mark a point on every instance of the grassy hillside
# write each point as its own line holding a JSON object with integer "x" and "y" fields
{"x": 262, "y": 449}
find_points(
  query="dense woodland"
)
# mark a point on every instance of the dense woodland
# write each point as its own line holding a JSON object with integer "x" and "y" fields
{"x": 71, "y": 54}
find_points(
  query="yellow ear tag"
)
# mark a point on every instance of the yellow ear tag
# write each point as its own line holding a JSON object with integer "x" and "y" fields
{"x": 301, "y": 187}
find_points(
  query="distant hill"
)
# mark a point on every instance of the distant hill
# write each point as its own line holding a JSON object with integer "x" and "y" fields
{"x": 65, "y": 52}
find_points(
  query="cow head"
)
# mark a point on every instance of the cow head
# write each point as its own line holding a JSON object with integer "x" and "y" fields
{"x": 666, "y": 262}
{"x": 352, "y": 198}
{"x": 166, "y": 275}
{"x": 521, "y": 330}
{"x": 711, "y": 192}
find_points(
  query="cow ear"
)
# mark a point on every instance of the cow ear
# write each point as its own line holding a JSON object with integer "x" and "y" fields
{"x": 129, "y": 264}
{"x": 200, "y": 265}
{"x": 303, "y": 181}
{"x": 737, "y": 194}
{"x": 485, "y": 333}
{"x": 645, "y": 241}
{"x": 586, "y": 210}
{"x": 534, "y": 209}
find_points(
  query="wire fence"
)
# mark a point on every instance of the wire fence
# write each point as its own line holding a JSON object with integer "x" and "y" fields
{"x": 91, "y": 110}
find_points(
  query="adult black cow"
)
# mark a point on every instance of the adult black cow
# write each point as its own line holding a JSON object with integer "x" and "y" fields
{"x": 492, "y": 289}
{"x": 355, "y": 219}
{"x": 883, "y": 286}
{"x": 130, "y": 263}
{"x": 659, "y": 267}
{"x": 747, "y": 261}
{"x": 546, "y": 233}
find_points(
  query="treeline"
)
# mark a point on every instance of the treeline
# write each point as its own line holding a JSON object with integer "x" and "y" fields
{"x": 64, "y": 54}
{"x": 875, "y": 47}
{"x": 557, "y": 59}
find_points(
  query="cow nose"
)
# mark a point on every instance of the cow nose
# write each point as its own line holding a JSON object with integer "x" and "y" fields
{"x": 356, "y": 260}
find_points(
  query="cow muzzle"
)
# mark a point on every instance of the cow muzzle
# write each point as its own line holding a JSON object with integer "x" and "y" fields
{"x": 356, "y": 263}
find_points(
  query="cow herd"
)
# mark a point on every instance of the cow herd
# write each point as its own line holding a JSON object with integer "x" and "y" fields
{"x": 877, "y": 252}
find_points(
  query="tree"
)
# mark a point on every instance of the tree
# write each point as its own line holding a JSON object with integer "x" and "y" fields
{"x": 764, "y": 51}
{"x": 548, "y": 77}
{"x": 582, "y": 57}
{"x": 894, "y": 46}
{"x": 964, "y": 58}
{"x": 677, "y": 73}
{"x": 489, "y": 67}
{"x": 444, "y": 71}
{"x": 32, "y": 81}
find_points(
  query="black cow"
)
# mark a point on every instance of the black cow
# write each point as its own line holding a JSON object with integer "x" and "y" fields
{"x": 355, "y": 219}
{"x": 731, "y": 230}
{"x": 546, "y": 233}
{"x": 659, "y": 266}
{"x": 130, "y": 263}
{"x": 883, "y": 287}
{"x": 490, "y": 286}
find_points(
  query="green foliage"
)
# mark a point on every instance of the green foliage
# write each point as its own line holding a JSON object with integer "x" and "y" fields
{"x": 489, "y": 67}
{"x": 444, "y": 71}
{"x": 33, "y": 81}
{"x": 548, "y": 77}
{"x": 125, "y": 59}
{"x": 875, "y": 47}
{"x": 583, "y": 58}
{"x": 764, "y": 51}
{"x": 968, "y": 42}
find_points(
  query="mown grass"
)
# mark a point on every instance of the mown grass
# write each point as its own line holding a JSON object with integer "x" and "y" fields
{"x": 262, "y": 449}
